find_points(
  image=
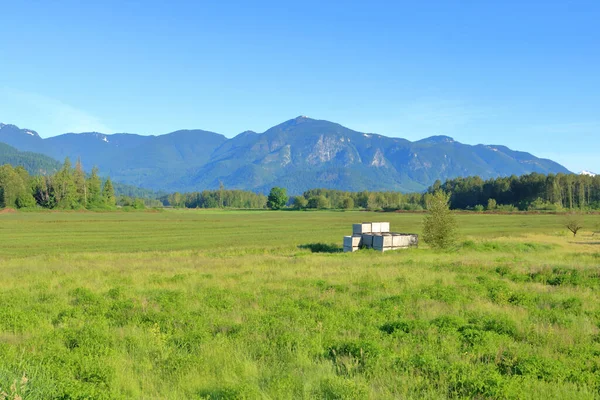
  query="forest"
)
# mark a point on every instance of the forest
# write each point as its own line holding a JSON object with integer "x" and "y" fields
{"x": 69, "y": 187}
{"x": 528, "y": 192}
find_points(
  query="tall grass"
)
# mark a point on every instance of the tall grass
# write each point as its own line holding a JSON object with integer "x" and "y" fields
{"x": 228, "y": 305}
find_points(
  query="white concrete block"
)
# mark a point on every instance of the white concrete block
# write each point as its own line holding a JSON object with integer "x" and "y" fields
{"x": 350, "y": 249}
{"x": 376, "y": 227}
{"x": 361, "y": 228}
{"x": 385, "y": 227}
{"x": 352, "y": 241}
{"x": 382, "y": 241}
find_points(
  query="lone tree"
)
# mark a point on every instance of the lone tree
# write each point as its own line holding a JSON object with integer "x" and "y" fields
{"x": 277, "y": 198}
{"x": 574, "y": 223}
{"x": 439, "y": 225}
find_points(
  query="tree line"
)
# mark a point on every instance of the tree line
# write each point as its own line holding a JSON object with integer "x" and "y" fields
{"x": 69, "y": 188}
{"x": 527, "y": 192}
{"x": 220, "y": 198}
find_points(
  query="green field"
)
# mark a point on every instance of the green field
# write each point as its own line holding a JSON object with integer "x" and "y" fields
{"x": 257, "y": 304}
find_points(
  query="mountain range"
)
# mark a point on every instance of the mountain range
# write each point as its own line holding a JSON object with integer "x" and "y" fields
{"x": 299, "y": 154}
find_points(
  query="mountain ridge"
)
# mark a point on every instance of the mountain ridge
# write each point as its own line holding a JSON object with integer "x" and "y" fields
{"x": 301, "y": 153}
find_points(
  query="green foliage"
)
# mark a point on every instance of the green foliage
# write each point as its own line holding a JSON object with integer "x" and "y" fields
{"x": 299, "y": 202}
{"x": 574, "y": 223}
{"x": 347, "y": 203}
{"x": 277, "y": 198}
{"x": 178, "y": 312}
{"x": 14, "y": 188}
{"x": 216, "y": 198}
{"x": 319, "y": 202}
{"x": 536, "y": 192}
{"x": 68, "y": 188}
{"x": 439, "y": 225}
{"x": 108, "y": 194}
{"x": 33, "y": 163}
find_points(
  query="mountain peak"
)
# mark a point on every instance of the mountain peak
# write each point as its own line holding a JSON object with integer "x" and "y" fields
{"x": 588, "y": 173}
{"x": 300, "y": 119}
{"x": 13, "y": 129}
{"x": 438, "y": 139}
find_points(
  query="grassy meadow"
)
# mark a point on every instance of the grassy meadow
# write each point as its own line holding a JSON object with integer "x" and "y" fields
{"x": 263, "y": 305}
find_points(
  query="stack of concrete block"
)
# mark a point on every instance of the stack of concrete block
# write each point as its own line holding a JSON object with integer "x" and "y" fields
{"x": 377, "y": 235}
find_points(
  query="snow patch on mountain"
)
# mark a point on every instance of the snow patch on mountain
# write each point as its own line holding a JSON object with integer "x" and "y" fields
{"x": 588, "y": 173}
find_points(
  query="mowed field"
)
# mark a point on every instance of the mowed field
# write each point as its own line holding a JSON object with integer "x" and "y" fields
{"x": 263, "y": 305}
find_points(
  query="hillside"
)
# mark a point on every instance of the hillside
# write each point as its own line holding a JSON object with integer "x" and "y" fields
{"x": 34, "y": 163}
{"x": 299, "y": 154}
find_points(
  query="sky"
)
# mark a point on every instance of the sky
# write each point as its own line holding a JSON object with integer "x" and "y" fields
{"x": 525, "y": 74}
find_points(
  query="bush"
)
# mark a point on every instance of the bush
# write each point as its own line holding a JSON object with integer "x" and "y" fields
{"x": 439, "y": 225}
{"x": 574, "y": 223}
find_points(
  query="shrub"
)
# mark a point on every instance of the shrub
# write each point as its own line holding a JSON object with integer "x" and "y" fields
{"x": 439, "y": 226}
{"x": 573, "y": 223}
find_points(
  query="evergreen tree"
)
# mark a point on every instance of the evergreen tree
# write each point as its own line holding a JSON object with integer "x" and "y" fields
{"x": 65, "y": 191}
{"x": 80, "y": 184}
{"x": 94, "y": 189}
{"x": 108, "y": 194}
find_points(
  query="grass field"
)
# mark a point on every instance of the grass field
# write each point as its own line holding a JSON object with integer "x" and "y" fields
{"x": 251, "y": 304}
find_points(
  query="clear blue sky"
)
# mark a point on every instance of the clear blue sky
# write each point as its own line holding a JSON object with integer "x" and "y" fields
{"x": 524, "y": 74}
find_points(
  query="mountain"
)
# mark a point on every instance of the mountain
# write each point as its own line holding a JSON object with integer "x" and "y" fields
{"x": 34, "y": 163}
{"x": 588, "y": 173}
{"x": 298, "y": 154}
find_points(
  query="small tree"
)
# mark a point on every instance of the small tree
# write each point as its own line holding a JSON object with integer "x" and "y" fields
{"x": 300, "y": 202}
{"x": 439, "y": 225}
{"x": 574, "y": 223}
{"x": 492, "y": 204}
{"x": 277, "y": 198}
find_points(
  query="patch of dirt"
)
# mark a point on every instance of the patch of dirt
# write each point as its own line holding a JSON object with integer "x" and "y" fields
{"x": 8, "y": 211}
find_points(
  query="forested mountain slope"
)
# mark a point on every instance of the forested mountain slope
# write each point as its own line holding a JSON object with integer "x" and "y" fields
{"x": 298, "y": 154}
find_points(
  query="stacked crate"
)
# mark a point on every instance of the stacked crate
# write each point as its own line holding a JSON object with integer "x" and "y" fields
{"x": 377, "y": 235}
